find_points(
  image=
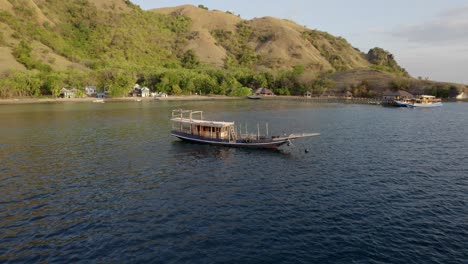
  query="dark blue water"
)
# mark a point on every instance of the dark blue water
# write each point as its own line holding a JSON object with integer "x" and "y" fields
{"x": 106, "y": 183}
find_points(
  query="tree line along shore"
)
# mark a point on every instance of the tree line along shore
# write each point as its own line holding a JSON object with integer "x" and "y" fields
{"x": 55, "y": 44}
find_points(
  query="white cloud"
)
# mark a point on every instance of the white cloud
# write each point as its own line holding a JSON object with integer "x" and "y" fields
{"x": 449, "y": 27}
{"x": 436, "y": 62}
{"x": 455, "y": 12}
{"x": 434, "y": 48}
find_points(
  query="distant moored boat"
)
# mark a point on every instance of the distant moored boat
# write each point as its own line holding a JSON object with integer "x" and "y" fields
{"x": 421, "y": 101}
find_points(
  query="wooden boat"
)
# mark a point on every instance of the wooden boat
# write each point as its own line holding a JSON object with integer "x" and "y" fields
{"x": 421, "y": 101}
{"x": 188, "y": 128}
{"x": 255, "y": 97}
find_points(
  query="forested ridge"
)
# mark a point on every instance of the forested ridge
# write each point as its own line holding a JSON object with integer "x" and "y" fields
{"x": 47, "y": 45}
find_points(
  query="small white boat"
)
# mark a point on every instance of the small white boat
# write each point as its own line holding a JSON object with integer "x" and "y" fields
{"x": 186, "y": 127}
{"x": 421, "y": 101}
{"x": 98, "y": 101}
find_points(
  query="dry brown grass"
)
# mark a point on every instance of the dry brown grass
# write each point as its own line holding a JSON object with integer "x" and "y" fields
{"x": 203, "y": 22}
{"x": 376, "y": 79}
{"x": 286, "y": 48}
{"x": 7, "y": 61}
{"x": 40, "y": 16}
{"x": 48, "y": 56}
{"x": 380, "y": 81}
{"x": 111, "y": 5}
{"x": 6, "y": 6}
{"x": 39, "y": 51}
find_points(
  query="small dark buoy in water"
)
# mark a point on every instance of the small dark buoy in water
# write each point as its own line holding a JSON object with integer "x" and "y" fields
{"x": 306, "y": 151}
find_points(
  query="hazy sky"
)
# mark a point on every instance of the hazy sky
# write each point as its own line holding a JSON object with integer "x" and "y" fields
{"x": 428, "y": 37}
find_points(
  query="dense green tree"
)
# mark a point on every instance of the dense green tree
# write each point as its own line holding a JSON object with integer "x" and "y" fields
{"x": 51, "y": 83}
{"x": 116, "y": 81}
{"x": 401, "y": 84}
{"x": 176, "y": 90}
{"x": 190, "y": 59}
{"x": 321, "y": 84}
{"x": 384, "y": 60}
{"x": 240, "y": 91}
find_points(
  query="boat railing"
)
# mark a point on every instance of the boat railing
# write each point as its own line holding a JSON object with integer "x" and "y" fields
{"x": 189, "y": 114}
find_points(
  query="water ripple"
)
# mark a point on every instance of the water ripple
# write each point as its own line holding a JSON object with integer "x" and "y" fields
{"x": 380, "y": 185}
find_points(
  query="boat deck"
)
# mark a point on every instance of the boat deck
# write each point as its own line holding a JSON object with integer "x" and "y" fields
{"x": 202, "y": 122}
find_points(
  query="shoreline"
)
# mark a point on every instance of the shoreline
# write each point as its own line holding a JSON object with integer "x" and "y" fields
{"x": 28, "y": 100}
{"x": 114, "y": 99}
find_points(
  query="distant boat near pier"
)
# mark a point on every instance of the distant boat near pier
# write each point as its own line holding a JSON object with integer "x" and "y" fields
{"x": 421, "y": 101}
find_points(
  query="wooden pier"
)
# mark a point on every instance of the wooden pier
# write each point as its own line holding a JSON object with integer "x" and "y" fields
{"x": 332, "y": 99}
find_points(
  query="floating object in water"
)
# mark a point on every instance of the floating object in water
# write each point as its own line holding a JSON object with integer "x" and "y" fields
{"x": 306, "y": 150}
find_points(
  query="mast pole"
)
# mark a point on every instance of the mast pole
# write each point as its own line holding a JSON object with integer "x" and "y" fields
{"x": 258, "y": 131}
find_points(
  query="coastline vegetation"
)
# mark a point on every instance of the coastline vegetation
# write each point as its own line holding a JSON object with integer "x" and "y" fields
{"x": 114, "y": 50}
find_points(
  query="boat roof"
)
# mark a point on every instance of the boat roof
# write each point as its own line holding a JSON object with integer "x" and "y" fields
{"x": 207, "y": 123}
{"x": 397, "y": 93}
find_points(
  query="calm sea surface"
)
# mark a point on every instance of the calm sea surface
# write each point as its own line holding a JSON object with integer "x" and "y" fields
{"x": 86, "y": 182}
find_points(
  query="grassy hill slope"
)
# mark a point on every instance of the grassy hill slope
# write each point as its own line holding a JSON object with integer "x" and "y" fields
{"x": 46, "y": 45}
{"x": 203, "y": 22}
{"x": 265, "y": 43}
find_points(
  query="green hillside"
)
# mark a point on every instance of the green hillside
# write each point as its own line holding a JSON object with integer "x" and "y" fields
{"x": 47, "y": 45}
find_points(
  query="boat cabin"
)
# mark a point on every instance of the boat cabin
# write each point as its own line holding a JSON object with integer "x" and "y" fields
{"x": 400, "y": 95}
{"x": 191, "y": 124}
{"x": 427, "y": 99}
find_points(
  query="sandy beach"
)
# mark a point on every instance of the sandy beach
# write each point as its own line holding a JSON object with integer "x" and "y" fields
{"x": 114, "y": 99}
{"x": 29, "y": 100}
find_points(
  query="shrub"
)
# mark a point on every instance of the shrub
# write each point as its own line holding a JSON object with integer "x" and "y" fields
{"x": 190, "y": 60}
{"x": 384, "y": 60}
{"x": 241, "y": 91}
{"x": 265, "y": 38}
{"x": 401, "y": 84}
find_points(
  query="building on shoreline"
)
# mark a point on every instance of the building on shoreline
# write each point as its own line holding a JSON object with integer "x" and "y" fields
{"x": 67, "y": 93}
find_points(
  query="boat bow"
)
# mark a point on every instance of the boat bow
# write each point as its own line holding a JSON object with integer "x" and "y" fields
{"x": 295, "y": 136}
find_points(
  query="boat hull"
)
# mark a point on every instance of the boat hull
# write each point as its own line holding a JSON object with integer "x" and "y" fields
{"x": 416, "y": 105}
{"x": 260, "y": 144}
{"x": 428, "y": 105}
